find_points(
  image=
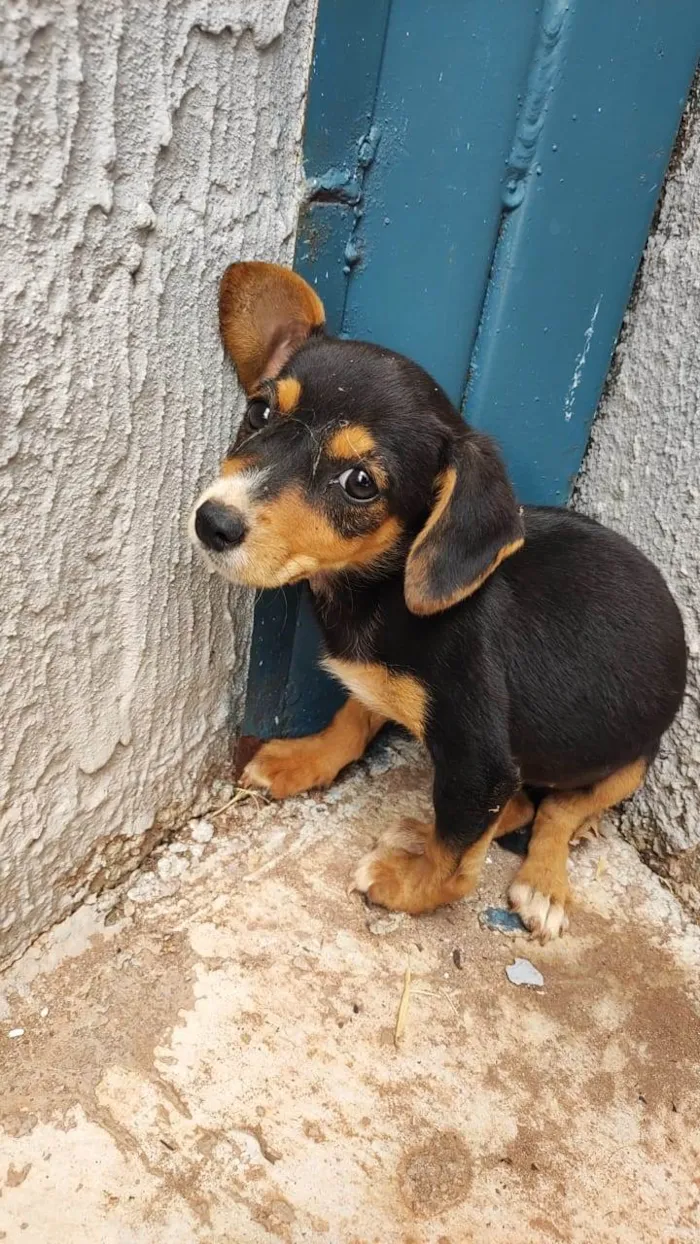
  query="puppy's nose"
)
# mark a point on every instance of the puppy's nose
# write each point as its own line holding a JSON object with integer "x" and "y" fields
{"x": 218, "y": 527}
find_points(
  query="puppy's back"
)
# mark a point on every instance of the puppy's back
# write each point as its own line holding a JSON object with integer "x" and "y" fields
{"x": 594, "y": 644}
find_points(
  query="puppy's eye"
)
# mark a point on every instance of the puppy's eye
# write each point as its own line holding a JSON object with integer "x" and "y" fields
{"x": 258, "y": 413}
{"x": 358, "y": 484}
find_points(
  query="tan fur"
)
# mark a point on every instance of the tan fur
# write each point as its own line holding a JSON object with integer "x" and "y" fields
{"x": 540, "y": 891}
{"x": 265, "y": 312}
{"x": 352, "y": 442}
{"x": 411, "y": 870}
{"x": 445, "y": 483}
{"x": 399, "y": 697}
{"x": 236, "y": 466}
{"x": 289, "y": 766}
{"x": 287, "y": 394}
{"x": 290, "y": 539}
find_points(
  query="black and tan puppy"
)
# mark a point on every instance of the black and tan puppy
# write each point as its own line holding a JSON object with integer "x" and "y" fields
{"x": 527, "y": 647}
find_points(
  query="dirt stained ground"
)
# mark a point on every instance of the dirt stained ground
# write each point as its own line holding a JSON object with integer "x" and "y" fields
{"x": 208, "y": 1054}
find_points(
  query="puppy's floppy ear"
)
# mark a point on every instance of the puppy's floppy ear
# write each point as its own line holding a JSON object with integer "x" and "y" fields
{"x": 475, "y": 523}
{"x": 265, "y": 313}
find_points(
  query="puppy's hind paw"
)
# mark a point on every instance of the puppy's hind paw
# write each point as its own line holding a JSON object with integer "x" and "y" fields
{"x": 589, "y": 830}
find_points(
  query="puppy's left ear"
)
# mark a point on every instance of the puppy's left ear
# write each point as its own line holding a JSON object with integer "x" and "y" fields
{"x": 265, "y": 313}
{"x": 475, "y": 523}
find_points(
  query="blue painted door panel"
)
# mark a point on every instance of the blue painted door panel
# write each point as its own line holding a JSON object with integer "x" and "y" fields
{"x": 481, "y": 175}
{"x": 606, "y": 93}
{"x": 348, "y": 50}
{"x": 446, "y": 109}
{"x": 287, "y": 692}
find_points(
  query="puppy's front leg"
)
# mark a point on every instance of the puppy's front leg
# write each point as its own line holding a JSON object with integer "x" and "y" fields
{"x": 417, "y": 867}
{"x": 289, "y": 766}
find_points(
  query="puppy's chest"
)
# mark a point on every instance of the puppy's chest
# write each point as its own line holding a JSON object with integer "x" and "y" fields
{"x": 358, "y": 652}
{"x": 392, "y": 693}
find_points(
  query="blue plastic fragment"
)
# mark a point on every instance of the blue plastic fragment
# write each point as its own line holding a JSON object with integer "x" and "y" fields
{"x": 502, "y": 921}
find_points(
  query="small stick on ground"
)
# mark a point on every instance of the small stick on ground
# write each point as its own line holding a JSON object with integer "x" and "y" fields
{"x": 402, "y": 1013}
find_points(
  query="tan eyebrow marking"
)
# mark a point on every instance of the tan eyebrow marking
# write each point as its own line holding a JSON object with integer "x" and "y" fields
{"x": 236, "y": 464}
{"x": 287, "y": 394}
{"x": 352, "y": 441}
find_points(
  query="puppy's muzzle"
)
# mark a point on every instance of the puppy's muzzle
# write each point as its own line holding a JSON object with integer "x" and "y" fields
{"x": 218, "y": 527}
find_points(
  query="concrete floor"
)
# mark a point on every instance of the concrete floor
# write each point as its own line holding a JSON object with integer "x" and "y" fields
{"x": 213, "y": 1058}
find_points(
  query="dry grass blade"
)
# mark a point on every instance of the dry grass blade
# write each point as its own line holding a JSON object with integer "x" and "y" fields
{"x": 452, "y": 1006}
{"x": 588, "y": 831}
{"x": 402, "y": 1013}
{"x": 242, "y": 793}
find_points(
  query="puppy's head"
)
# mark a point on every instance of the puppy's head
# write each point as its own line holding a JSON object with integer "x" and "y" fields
{"x": 349, "y": 458}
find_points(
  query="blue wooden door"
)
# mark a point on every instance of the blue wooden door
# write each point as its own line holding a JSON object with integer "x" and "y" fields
{"x": 482, "y": 179}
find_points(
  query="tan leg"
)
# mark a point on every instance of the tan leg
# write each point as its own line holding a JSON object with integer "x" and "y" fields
{"x": 540, "y": 892}
{"x": 411, "y": 870}
{"x": 289, "y": 766}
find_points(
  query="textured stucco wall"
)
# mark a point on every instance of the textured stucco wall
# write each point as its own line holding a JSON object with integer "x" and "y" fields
{"x": 144, "y": 146}
{"x": 642, "y": 476}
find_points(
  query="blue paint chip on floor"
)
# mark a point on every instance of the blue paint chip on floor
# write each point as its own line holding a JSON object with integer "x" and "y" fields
{"x": 501, "y": 920}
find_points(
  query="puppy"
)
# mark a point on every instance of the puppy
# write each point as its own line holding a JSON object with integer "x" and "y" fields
{"x": 528, "y": 647}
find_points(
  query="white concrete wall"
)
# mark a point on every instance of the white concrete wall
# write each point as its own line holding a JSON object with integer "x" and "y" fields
{"x": 144, "y": 146}
{"x": 642, "y": 476}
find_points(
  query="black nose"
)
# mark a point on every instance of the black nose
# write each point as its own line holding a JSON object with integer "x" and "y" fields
{"x": 217, "y": 527}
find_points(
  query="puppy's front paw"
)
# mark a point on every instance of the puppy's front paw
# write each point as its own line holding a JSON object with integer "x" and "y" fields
{"x": 410, "y": 871}
{"x": 287, "y": 767}
{"x": 541, "y": 899}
